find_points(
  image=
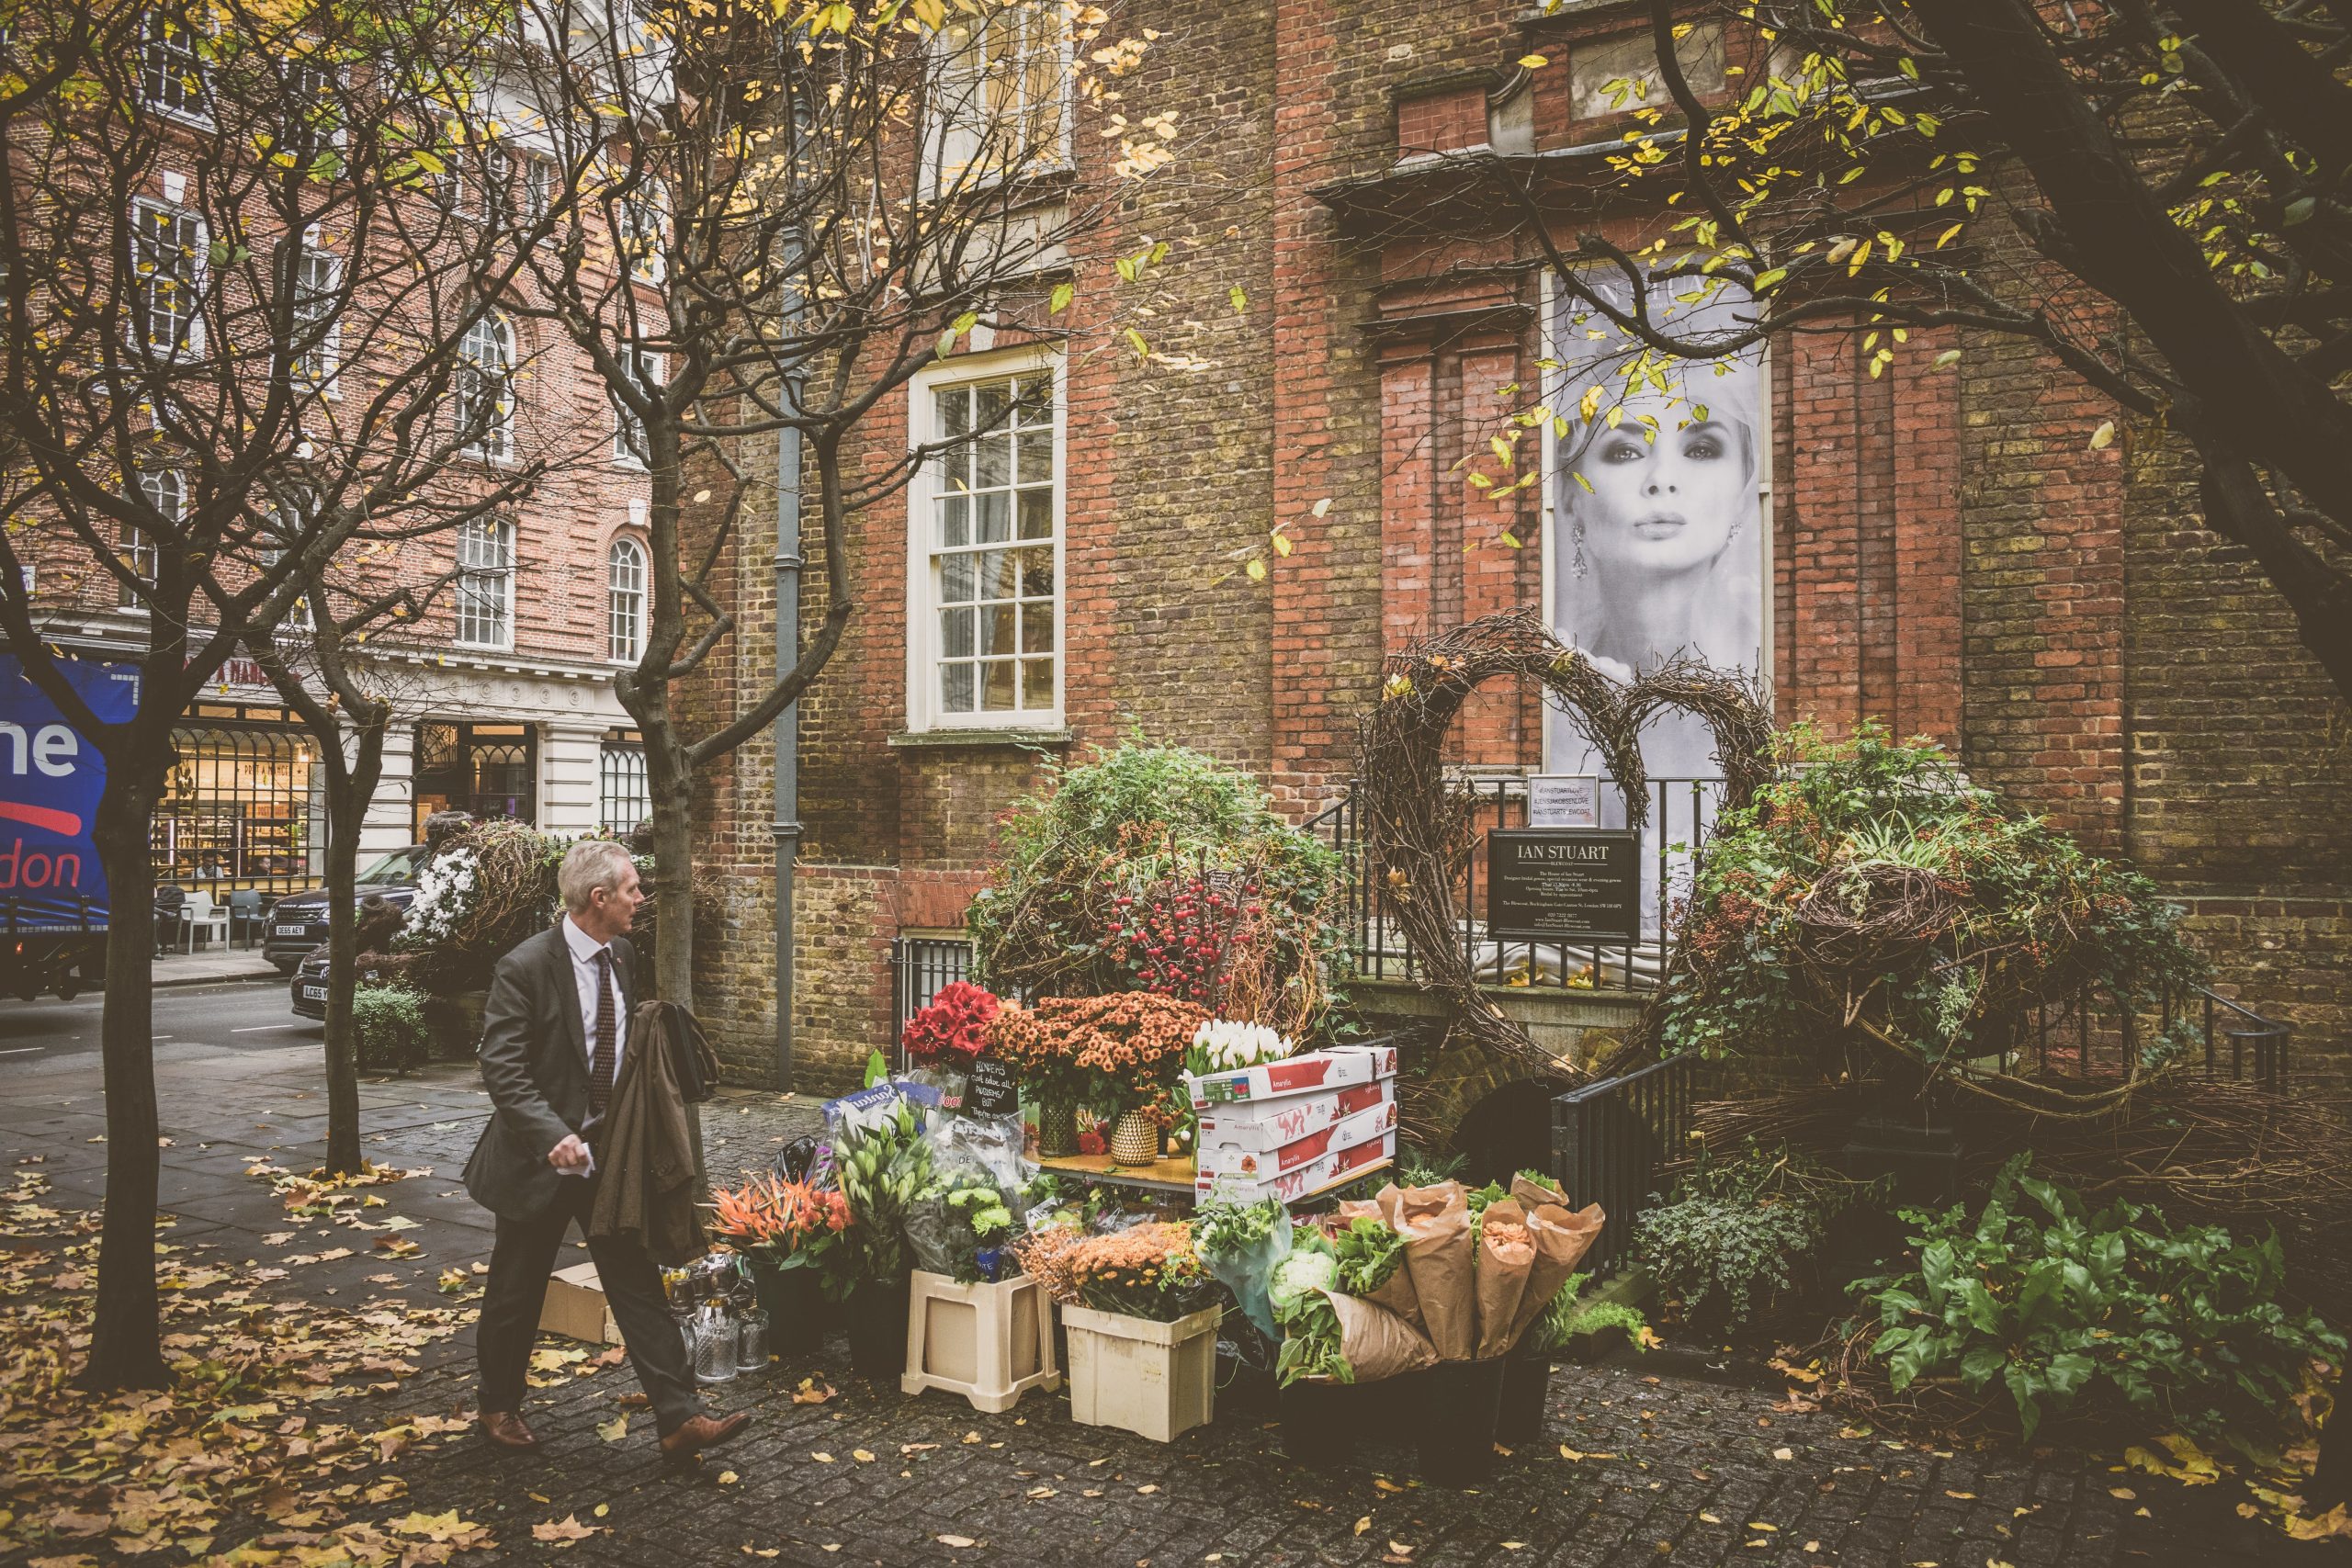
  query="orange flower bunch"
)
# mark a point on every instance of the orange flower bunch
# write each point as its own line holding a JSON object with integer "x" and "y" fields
{"x": 1127, "y": 1047}
{"x": 785, "y": 1217}
{"x": 1147, "y": 1270}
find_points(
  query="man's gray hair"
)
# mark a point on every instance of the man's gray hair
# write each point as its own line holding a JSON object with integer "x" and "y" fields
{"x": 588, "y": 865}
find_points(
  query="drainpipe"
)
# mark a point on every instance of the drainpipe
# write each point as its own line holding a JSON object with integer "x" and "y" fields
{"x": 785, "y": 827}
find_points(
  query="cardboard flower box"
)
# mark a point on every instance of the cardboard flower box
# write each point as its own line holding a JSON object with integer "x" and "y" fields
{"x": 1294, "y": 1186}
{"x": 1266, "y": 1125}
{"x": 1308, "y": 1073}
{"x": 1221, "y": 1159}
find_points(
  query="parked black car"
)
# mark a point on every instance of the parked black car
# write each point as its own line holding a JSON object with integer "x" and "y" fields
{"x": 298, "y": 921}
{"x": 309, "y": 990}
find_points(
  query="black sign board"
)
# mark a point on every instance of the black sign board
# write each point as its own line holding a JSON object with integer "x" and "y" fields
{"x": 990, "y": 1090}
{"x": 1564, "y": 884}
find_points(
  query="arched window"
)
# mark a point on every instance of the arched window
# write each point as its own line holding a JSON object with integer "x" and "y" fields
{"x": 625, "y": 618}
{"x": 486, "y": 389}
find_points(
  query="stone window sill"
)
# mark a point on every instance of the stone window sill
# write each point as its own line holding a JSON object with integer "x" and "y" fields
{"x": 927, "y": 739}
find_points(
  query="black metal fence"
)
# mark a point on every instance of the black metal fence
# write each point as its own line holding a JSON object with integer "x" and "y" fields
{"x": 2093, "y": 1035}
{"x": 1609, "y": 1140}
{"x": 1681, "y": 812}
{"x": 919, "y": 967}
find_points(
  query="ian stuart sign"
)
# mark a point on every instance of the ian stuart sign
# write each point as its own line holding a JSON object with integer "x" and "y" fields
{"x": 1564, "y": 884}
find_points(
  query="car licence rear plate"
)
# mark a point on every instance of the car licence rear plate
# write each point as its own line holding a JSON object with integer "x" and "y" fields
{"x": 314, "y": 993}
{"x": 291, "y": 930}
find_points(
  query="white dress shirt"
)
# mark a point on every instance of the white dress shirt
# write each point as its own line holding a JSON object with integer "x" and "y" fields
{"x": 585, "y": 949}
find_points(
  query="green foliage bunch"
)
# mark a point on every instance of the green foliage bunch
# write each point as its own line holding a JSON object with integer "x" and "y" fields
{"x": 1568, "y": 1315}
{"x": 1078, "y": 857}
{"x": 1735, "y": 1232}
{"x": 885, "y": 1168}
{"x": 2065, "y": 1307}
{"x": 1961, "y": 917}
{"x": 388, "y": 1030}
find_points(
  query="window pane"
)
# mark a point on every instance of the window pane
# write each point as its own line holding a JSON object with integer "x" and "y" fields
{"x": 996, "y": 685}
{"x": 1036, "y": 574}
{"x": 996, "y": 628}
{"x": 955, "y": 409}
{"x": 996, "y": 517}
{"x": 955, "y": 520}
{"x": 994, "y": 403}
{"x": 1037, "y": 514}
{"x": 956, "y": 633}
{"x": 1038, "y": 683}
{"x": 1037, "y": 627}
{"x": 996, "y": 574}
{"x": 1036, "y": 456}
{"x": 956, "y": 578}
{"x": 991, "y": 462}
{"x": 955, "y": 687}
{"x": 1036, "y": 395}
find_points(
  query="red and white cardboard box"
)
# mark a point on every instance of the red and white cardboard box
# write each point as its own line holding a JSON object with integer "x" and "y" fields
{"x": 1262, "y": 1125}
{"x": 1345, "y": 1134}
{"x": 1303, "y": 1074}
{"x": 1290, "y": 1186}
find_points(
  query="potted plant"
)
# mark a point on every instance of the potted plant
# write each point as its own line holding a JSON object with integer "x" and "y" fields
{"x": 785, "y": 1230}
{"x": 389, "y": 1029}
{"x": 976, "y": 1325}
{"x": 884, "y": 1165}
{"x": 1138, "y": 1305}
{"x": 1125, "y": 1051}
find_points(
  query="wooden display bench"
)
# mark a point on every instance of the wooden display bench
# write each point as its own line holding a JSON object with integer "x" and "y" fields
{"x": 1172, "y": 1176}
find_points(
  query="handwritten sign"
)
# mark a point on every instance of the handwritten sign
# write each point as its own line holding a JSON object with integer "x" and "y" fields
{"x": 990, "y": 1090}
{"x": 1564, "y": 884}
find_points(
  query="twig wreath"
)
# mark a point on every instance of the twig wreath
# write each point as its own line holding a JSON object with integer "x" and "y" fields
{"x": 1418, "y": 831}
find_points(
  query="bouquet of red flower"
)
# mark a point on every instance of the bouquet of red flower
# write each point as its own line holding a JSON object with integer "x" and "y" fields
{"x": 952, "y": 1029}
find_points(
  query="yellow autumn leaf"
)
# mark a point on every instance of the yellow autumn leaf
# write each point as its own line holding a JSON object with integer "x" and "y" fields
{"x": 2103, "y": 437}
{"x": 1256, "y": 569}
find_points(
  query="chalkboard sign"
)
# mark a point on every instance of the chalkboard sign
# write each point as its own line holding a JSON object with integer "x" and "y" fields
{"x": 990, "y": 1090}
{"x": 1564, "y": 884}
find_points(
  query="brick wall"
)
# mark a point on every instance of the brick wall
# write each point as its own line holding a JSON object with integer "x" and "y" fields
{"x": 1950, "y": 557}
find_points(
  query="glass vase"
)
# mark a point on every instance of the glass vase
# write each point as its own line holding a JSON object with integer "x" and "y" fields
{"x": 1057, "y": 1129}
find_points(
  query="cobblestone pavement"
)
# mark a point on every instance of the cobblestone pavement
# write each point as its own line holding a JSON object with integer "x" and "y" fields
{"x": 1634, "y": 1467}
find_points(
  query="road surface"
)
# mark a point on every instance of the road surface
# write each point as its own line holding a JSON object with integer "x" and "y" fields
{"x": 238, "y": 1016}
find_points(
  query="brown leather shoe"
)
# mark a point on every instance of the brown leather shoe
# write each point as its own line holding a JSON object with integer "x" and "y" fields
{"x": 506, "y": 1429}
{"x": 703, "y": 1432}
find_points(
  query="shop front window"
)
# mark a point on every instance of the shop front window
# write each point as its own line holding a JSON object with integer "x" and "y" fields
{"x": 246, "y": 807}
{"x": 622, "y": 797}
{"x": 490, "y": 769}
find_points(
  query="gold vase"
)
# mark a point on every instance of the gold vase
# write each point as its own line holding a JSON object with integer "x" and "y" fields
{"x": 1135, "y": 1140}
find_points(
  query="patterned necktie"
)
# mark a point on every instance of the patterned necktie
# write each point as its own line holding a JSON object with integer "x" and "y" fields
{"x": 600, "y": 1064}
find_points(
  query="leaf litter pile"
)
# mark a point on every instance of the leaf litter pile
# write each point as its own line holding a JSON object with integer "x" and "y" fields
{"x": 258, "y": 1451}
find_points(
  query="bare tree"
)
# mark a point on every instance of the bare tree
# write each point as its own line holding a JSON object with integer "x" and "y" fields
{"x": 241, "y": 347}
{"x": 757, "y": 232}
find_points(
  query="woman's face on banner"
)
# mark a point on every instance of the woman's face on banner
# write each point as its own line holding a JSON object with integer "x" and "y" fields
{"x": 1661, "y": 506}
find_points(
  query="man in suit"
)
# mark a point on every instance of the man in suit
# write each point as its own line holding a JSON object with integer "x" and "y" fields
{"x": 554, "y": 1035}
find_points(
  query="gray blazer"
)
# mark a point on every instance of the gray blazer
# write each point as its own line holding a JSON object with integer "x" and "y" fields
{"x": 534, "y": 1062}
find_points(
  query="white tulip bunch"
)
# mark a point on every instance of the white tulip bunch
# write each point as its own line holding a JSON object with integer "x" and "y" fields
{"x": 1222, "y": 1045}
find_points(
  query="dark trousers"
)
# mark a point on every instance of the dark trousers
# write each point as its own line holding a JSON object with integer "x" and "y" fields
{"x": 519, "y": 1266}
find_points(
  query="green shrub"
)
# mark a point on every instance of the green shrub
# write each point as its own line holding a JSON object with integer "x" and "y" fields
{"x": 2065, "y": 1307}
{"x": 389, "y": 1028}
{"x": 1144, "y": 829}
{"x": 1870, "y": 890}
{"x": 1736, "y": 1233}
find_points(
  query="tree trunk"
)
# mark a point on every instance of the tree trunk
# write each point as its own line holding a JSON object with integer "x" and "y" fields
{"x": 126, "y": 1348}
{"x": 348, "y": 793}
{"x": 671, "y": 780}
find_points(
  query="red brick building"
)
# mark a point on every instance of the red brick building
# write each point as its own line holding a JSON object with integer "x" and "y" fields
{"x": 1943, "y": 550}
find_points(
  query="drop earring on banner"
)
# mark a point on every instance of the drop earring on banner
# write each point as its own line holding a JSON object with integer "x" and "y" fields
{"x": 1731, "y": 536}
{"x": 1576, "y": 566}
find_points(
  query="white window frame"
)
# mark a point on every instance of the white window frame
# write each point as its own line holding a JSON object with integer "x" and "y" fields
{"x": 332, "y": 79}
{"x": 647, "y": 202}
{"x": 144, "y": 212}
{"x": 145, "y": 553}
{"x": 946, "y": 128}
{"x": 318, "y": 370}
{"x": 485, "y": 587}
{"x": 650, "y": 367}
{"x": 926, "y": 710}
{"x": 617, "y": 648}
{"x": 497, "y": 442}
{"x": 150, "y": 45}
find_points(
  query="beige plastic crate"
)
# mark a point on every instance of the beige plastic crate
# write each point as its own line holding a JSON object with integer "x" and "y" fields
{"x": 1155, "y": 1380}
{"x": 991, "y": 1343}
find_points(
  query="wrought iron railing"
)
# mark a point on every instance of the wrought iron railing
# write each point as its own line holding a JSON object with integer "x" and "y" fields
{"x": 1609, "y": 1140}
{"x": 2093, "y": 1035}
{"x": 1681, "y": 812}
